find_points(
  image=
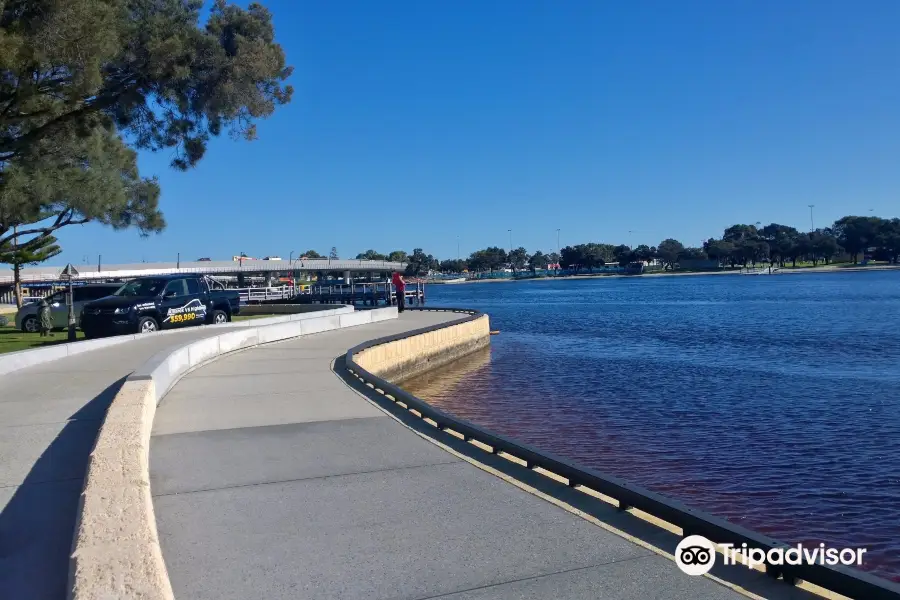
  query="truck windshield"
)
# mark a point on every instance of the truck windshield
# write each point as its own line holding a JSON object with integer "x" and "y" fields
{"x": 142, "y": 288}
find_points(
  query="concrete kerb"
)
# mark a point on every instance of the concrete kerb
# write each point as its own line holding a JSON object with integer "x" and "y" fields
{"x": 115, "y": 550}
{"x": 14, "y": 361}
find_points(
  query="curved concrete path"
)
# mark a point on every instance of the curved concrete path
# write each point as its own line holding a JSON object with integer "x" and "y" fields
{"x": 49, "y": 418}
{"x": 274, "y": 479}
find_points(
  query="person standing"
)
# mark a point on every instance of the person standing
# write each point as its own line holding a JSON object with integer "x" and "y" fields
{"x": 45, "y": 318}
{"x": 400, "y": 286}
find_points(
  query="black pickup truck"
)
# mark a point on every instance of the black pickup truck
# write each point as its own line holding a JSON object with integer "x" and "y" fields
{"x": 151, "y": 303}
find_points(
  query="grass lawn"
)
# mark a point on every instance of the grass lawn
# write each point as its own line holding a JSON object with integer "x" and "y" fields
{"x": 12, "y": 339}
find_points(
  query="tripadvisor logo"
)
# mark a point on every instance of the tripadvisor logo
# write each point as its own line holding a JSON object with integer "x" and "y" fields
{"x": 696, "y": 555}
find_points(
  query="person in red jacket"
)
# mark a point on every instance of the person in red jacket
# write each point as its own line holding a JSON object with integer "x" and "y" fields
{"x": 400, "y": 284}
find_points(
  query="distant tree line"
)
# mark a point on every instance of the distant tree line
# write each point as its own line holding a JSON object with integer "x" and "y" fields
{"x": 743, "y": 245}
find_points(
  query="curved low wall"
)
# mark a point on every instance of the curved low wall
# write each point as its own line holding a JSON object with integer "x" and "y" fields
{"x": 425, "y": 350}
{"x": 115, "y": 551}
{"x": 14, "y": 361}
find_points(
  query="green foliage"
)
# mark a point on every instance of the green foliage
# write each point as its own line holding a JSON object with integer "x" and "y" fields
{"x": 371, "y": 255}
{"x": 623, "y": 255}
{"x": 146, "y": 65}
{"x": 488, "y": 259}
{"x": 398, "y": 256}
{"x": 74, "y": 180}
{"x": 333, "y": 255}
{"x": 40, "y": 250}
{"x": 311, "y": 254}
{"x": 419, "y": 263}
{"x": 518, "y": 258}
{"x": 453, "y": 266}
{"x": 75, "y": 74}
{"x": 668, "y": 252}
{"x": 856, "y": 234}
{"x": 538, "y": 260}
{"x": 587, "y": 255}
{"x": 739, "y": 245}
{"x": 644, "y": 253}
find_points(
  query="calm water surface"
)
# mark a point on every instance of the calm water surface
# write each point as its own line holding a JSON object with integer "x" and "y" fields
{"x": 771, "y": 401}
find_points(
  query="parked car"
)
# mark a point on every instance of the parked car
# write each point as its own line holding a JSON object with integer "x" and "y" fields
{"x": 28, "y": 319}
{"x": 151, "y": 303}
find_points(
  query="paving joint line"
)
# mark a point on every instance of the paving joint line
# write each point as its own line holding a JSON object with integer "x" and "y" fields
{"x": 334, "y": 476}
{"x": 159, "y": 435}
{"x": 541, "y": 576}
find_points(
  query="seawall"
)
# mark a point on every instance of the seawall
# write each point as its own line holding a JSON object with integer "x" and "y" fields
{"x": 400, "y": 359}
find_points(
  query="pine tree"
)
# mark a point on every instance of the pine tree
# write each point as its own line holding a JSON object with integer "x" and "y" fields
{"x": 40, "y": 250}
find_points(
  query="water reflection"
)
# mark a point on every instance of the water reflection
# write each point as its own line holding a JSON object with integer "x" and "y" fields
{"x": 449, "y": 377}
{"x": 770, "y": 401}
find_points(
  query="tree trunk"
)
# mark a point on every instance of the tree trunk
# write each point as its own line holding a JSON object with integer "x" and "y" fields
{"x": 17, "y": 280}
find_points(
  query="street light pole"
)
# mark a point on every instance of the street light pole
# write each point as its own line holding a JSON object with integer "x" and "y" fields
{"x": 812, "y": 226}
{"x": 291, "y": 263}
{"x": 510, "y": 240}
{"x": 558, "y": 251}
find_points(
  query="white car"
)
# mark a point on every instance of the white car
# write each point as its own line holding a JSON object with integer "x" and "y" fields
{"x": 28, "y": 318}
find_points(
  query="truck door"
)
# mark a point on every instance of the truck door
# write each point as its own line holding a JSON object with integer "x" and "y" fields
{"x": 200, "y": 299}
{"x": 175, "y": 307}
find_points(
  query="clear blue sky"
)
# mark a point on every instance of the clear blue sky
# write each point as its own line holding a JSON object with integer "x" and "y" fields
{"x": 416, "y": 122}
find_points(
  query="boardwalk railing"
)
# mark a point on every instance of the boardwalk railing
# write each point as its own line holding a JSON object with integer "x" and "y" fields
{"x": 843, "y": 580}
{"x": 254, "y": 295}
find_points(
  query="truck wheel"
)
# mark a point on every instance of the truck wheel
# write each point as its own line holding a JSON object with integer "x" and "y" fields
{"x": 30, "y": 325}
{"x": 219, "y": 317}
{"x": 147, "y": 325}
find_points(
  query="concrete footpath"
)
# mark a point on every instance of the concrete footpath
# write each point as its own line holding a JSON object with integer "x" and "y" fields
{"x": 49, "y": 418}
{"x": 273, "y": 479}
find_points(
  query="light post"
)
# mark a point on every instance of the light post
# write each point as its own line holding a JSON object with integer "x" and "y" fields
{"x": 291, "y": 264}
{"x": 558, "y": 252}
{"x": 510, "y": 240}
{"x": 68, "y": 274}
{"x": 812, "y": 226}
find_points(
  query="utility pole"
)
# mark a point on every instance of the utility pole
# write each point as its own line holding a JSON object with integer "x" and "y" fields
{"x": 510, "y": 240}
{"x": 812, "y": 226}
{"x": 17, "y": 270}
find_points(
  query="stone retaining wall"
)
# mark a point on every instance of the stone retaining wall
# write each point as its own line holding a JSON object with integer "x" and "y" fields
{"x": 414, "y": 355}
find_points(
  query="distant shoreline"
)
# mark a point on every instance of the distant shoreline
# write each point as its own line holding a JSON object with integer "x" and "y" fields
{"x": 784, "y": 271}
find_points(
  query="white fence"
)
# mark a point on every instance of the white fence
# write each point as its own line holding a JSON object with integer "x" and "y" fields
{"x": 253, "y": 295}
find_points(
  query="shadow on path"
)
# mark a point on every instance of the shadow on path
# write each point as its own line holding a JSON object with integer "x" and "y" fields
{"x": 38, "y": 519}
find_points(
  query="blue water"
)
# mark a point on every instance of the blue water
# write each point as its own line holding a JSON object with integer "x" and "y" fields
{"x": 773, "y": 401}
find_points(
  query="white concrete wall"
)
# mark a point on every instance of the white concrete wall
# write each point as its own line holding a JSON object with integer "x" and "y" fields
{"x": 116, "y": 551}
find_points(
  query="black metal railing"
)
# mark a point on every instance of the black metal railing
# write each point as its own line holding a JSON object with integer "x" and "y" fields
{"x": 843, "y": 580}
